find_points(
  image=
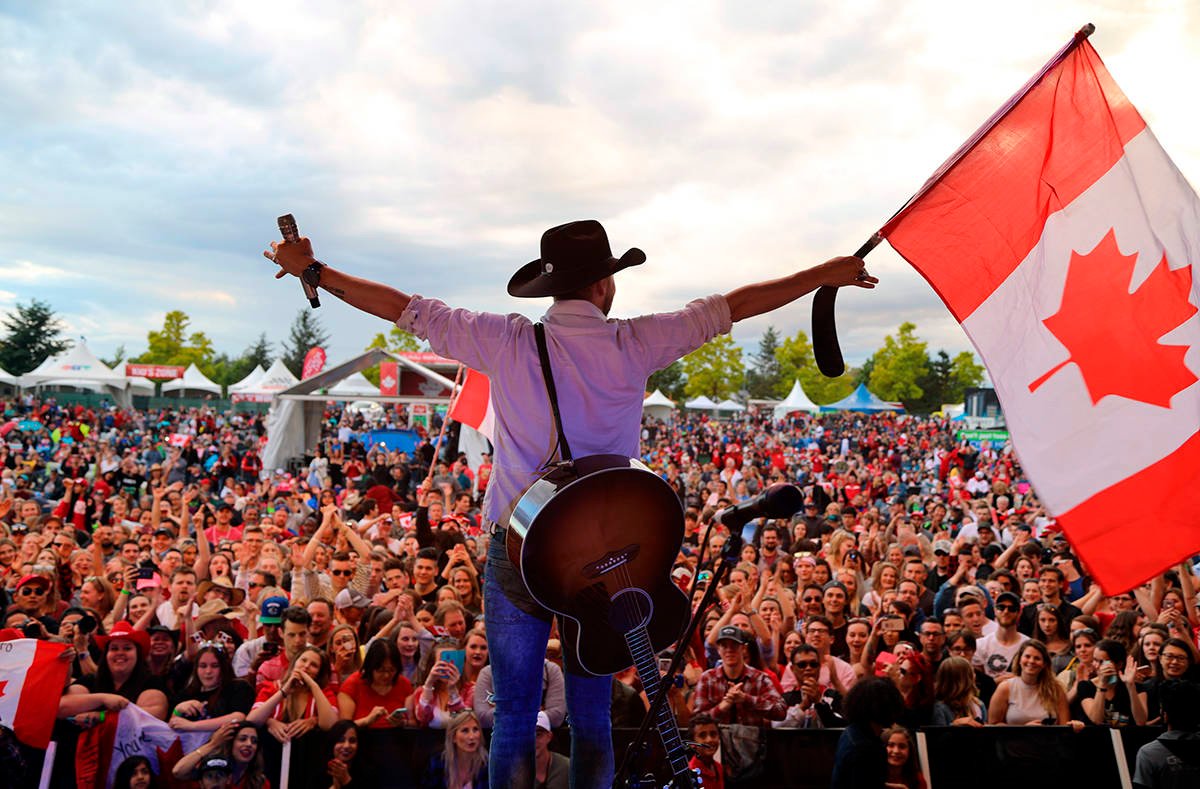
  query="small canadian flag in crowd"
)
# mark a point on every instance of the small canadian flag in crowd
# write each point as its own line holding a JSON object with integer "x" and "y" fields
{"x": 474, "y": 404}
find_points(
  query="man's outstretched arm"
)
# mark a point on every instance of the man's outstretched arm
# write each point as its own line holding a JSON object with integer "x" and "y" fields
{"x": 750, "y": 300}
{"x": 374, "y": 297}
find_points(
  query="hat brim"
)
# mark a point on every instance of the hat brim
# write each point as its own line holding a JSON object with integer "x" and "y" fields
{"x": 531, "y": 282}
{"x": 237, "y": 594}
{"x": 140, "y": 638}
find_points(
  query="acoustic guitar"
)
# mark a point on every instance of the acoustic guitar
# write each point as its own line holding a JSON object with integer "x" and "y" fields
{"x": 595, "y": 540}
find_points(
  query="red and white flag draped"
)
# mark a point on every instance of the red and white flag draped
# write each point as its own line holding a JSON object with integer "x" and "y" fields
{"x": 31, "y": 682}
{"x": 1063, "y": 238}
{"x": 131, "y": 732}
{"x": 473, "y": 406}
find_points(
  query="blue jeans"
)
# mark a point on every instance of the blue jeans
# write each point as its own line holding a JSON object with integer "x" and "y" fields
{"x": 517, "y": 649}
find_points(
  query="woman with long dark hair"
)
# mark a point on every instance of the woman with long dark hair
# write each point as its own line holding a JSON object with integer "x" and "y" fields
{"x": 212, "y": 695}
{"x": 237, "y": 742}
{"x": 374, "y": 697}
{"x": 1112, "y": 696}
{"x": 343, "y": 752}
{"x": 903, "y": 765}
{"x": 123, "y": 671}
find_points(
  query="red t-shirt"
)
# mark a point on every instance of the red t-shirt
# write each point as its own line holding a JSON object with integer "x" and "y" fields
{"x": 366, "y": 699}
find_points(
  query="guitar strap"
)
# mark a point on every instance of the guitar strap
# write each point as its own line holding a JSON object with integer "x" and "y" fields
{"x": 539, "y": 332}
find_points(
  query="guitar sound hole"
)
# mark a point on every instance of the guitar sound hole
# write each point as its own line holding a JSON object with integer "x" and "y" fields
{"x": 630, "y": 609}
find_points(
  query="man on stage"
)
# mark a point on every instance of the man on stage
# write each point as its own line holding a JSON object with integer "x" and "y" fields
{"x": 600, "y": 367}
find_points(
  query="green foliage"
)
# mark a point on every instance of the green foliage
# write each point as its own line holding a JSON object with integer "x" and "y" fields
{"x": 795, "y": 357}
{"x": 965, "y": 372}
{"x": 714, "y": 369}
{"x": 306, "y": 333}
{"x": 899, "y": 366}
{"x": 397, "y": 341}
{"x": 33, "y": 334}
{"x": 118, "y": 357}
{"x": 173, "y": 344}
{"x": 670, "y": 381}
{"x": 224, "y": 370}
{"x": 763, "y": 380}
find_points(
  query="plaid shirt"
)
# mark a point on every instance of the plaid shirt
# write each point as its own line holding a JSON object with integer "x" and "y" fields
{"x": 762, "y": 704}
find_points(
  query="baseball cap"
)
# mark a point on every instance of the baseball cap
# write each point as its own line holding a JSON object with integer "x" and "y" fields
{"x": 272, "y": 610}
{"x": 351, "y": 598}
{"x": 1009, "y": 597}
{"x": 731, "y": 633}
{"x": 543, "y": 721}
{"x": 942, "y": 547}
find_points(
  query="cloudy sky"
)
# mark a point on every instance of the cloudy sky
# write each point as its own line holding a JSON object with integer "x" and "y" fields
{"x": 146, "y": 147}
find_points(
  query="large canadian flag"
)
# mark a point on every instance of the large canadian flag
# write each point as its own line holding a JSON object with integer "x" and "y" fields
{"x": 473, "y": 406}
{"x": 1062, "y": 238}
{"x": 31, "y": 682}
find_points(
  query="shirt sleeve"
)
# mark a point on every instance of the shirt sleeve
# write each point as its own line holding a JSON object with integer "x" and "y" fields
{"x": 767, "y": 700}
{"x": 474, "y": 338}
{"x": 666, "y": 336}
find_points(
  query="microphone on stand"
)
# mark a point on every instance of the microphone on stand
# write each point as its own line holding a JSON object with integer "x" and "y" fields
{"x": 777, "y": 501}
{"x": 287, "y": 227}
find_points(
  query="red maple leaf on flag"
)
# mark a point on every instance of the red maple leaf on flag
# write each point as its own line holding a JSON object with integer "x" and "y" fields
{"x": 1113, "y": 335}
{"x": 3, "y": 685}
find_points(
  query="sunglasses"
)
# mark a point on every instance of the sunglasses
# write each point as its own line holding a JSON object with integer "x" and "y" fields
{"x": 341, "y": 572}
{"x": 28, "y": 591}
{"x": 1006, "y": 607}
{"x": 806, "y": 664}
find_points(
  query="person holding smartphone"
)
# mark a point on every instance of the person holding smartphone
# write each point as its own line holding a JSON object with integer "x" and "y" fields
{"x": 439, "y": 696}
{"x": 375, "y": 696}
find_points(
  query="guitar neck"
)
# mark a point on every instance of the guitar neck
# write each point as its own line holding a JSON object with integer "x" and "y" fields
{"x": 644, "y": 658}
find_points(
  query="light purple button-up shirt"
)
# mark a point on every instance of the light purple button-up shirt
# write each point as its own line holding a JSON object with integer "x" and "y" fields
{"x": 600, "y": 369}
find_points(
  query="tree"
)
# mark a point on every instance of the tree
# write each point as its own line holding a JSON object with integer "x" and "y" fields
{"x": 933, "y": 385}
{"x": 714, "y": 369}
{"x": 965, "y": 372}
{"x": 899, "y": 365}
{"x": 173, "y": 345}
{"x": 306, "y": 333}
{"x": 397, "y": 341}
{"x": 34, "y": 334}
{"x": 224, "y": 370}
{"x": 118, "y": 357}
{"x": 796, "y": 361}
{"x": 763, "y": 379}
{"x": 670, "y": 381}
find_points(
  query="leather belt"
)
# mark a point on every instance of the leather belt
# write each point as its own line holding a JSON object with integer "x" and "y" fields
{"x": 496, "y": 530}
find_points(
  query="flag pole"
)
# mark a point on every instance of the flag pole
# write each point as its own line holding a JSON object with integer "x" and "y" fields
{"x": 454, "y": 393}
{"x": 826, "y": 350}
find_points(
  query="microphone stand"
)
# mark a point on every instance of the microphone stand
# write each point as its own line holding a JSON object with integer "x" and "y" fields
{"x": 730, "y": 554}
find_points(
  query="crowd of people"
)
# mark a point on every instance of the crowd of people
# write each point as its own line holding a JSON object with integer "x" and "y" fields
{"x": 921, "y": 584}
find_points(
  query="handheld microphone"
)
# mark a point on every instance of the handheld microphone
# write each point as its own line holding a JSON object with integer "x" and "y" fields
{"x": 777, "y": 501}
{"x": 287, "y": 227}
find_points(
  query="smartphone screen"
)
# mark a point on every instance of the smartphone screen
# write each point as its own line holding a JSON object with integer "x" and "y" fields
{"x": 456, "y": 656}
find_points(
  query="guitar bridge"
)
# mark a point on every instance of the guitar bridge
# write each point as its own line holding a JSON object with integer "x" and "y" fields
{"x": 611, "y": 561}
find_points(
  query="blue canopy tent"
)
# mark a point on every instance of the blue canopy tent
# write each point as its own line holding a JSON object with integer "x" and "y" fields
{"x": 862, "y": 400}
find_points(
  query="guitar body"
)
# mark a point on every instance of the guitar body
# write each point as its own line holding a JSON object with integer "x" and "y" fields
{"x": 595, "y": 542}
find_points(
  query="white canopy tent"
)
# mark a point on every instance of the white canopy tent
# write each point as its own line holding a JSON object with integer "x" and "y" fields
{"x": 796, "y": 400}
{"x": 354, "y": 386}
{"x": 250, "y": 381}
{"x": 6, "y": 378}
{"x": 732, "y": 406}
{"x": 192, "y": 381}
{"x": 141, "y": 385}
{"x": 658, "y": 406}
{"x": 79, "y": 368}
{"x": 294, "y": 421}
{"x": 273, "y": 381}
{"x": 701, "y": 403}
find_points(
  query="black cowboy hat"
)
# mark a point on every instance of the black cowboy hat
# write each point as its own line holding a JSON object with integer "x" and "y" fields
{"x": 574, "y": 256}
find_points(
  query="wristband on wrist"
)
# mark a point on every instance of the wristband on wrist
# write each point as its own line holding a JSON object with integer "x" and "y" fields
{"x": 126, "y": 591}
